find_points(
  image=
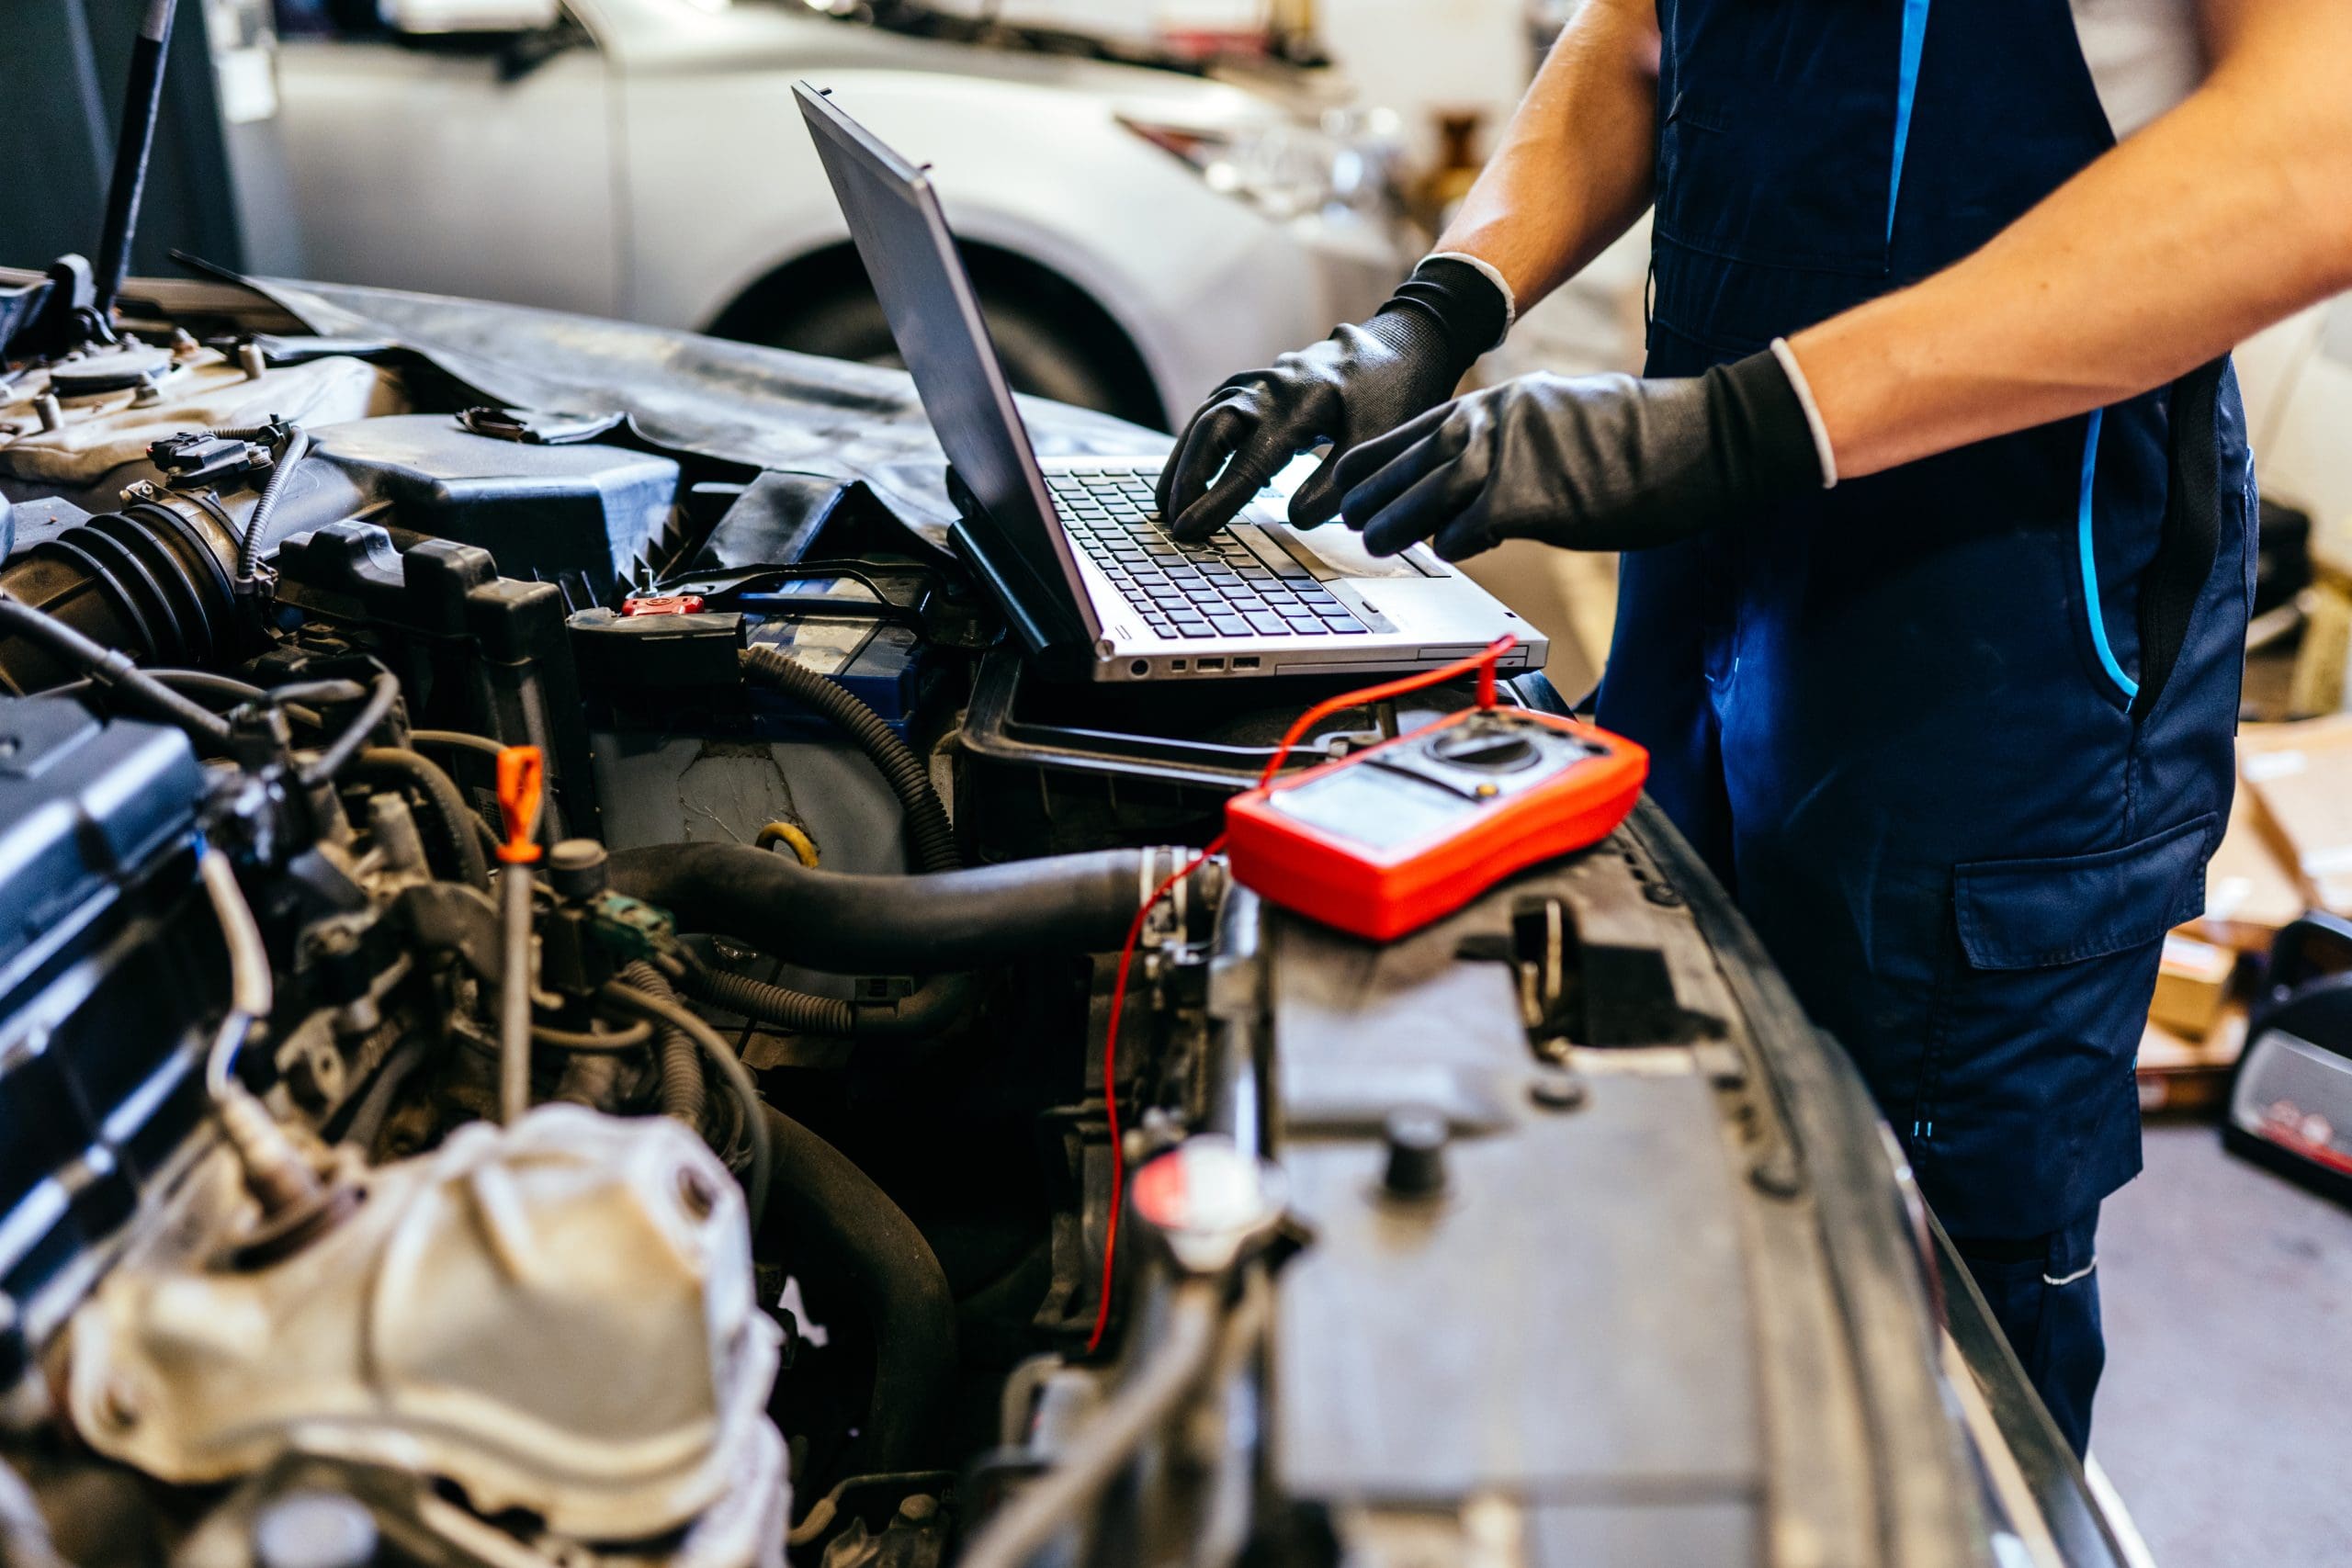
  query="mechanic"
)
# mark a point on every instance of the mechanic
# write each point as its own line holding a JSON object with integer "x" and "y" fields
{"x": 1939, "y": 514}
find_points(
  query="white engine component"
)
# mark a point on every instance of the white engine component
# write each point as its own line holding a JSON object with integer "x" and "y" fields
{"x": 77, "y": 441}
{"x": 556, "y": 1317}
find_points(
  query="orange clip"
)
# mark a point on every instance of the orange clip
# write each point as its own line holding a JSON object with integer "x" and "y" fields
{"x": 522, "y": 770}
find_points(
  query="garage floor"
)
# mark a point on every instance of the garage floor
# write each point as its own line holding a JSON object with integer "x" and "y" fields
{"x": 2225, "y": 1418}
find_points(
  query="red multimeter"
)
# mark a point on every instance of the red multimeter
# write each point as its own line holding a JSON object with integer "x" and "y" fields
{"x": 1384, "y": 842}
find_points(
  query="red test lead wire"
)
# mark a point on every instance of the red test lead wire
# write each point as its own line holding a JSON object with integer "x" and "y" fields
{"x": 1484, "y": 662}
{"x": 1111, "y": 1082}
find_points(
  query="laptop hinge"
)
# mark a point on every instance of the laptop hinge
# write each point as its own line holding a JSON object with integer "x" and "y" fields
{"x": 1058, "y": 644}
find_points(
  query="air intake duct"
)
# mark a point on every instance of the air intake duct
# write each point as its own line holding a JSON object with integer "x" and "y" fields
{"x": 152, "y": 580}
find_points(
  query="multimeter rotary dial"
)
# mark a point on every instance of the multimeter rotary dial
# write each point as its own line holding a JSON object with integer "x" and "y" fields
{"x": 1486, "y": 746}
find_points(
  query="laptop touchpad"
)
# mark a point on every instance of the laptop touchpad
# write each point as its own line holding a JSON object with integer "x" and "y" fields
{"x": 1335, "y": 550}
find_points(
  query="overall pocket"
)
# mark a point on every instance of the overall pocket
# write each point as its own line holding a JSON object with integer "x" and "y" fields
{"x": 2039, "y": 914}
{"x": 2200, "y": 482}
{"x": 2027, "y": 1113}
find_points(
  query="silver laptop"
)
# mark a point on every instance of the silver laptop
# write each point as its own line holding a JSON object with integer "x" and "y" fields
{"x": 1073, "y": 548}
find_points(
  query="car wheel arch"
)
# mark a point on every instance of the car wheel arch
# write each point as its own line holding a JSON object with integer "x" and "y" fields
{"x": 790, "y": 290}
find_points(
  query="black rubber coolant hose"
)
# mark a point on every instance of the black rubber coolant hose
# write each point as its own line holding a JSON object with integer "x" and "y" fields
{"x": 841, "y": 1224}
{"x": 929, "y": 833}
{"x": 923, "y": 925}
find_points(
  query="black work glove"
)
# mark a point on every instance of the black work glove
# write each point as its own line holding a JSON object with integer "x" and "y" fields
{"x": 1587, "y": 462}
{"x": 1353, "y": 385}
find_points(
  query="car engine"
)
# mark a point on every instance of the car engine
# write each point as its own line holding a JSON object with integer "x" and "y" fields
{"x": 301, "y": 1253}
{"x": 557, "y": 1004}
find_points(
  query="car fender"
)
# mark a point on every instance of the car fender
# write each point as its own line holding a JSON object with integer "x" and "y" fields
{"x": 1199, "y": 281}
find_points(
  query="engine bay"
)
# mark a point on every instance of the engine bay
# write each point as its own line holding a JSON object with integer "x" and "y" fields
{"x": 743, "y": 1167}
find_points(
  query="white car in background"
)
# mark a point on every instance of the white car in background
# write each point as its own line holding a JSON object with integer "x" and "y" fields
{"x": 1138, "y": 232}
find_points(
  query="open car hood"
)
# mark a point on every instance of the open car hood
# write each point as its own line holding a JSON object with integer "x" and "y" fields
{"x": 738, "y": 403}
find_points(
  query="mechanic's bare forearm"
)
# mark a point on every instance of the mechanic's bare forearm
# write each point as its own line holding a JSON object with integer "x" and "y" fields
{"x": 2223, "y": 217}
{"x": 1574, "y": 169}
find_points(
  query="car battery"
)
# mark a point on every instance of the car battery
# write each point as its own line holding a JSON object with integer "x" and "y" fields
{"x": 887, "y": 668}
{"x": 686, "y": 751}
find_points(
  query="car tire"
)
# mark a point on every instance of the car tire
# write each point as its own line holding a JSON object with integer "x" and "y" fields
{"x": 1040, "y": 356}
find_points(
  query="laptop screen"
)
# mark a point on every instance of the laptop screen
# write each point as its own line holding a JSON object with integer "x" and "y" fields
{"x": 935, "y": 317}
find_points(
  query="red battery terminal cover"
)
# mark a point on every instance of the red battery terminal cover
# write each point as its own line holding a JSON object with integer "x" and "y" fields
{"x": 663, "y": 605}
{"x": 1386, "y": 841}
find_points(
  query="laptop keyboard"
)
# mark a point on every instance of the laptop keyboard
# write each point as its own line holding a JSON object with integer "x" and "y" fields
{"x": 1217, "y": 588}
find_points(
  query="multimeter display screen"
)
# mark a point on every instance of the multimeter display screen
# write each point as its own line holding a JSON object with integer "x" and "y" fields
{"x": 1378, "y": 809}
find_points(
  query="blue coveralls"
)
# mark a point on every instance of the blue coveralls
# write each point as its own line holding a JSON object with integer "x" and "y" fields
{"x": 1958, "y": 736}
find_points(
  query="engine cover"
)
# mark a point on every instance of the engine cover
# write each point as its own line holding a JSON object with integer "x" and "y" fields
{"x": 581, "y": 514}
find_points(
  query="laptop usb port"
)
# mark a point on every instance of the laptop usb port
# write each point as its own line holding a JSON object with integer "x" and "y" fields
{"x": 1245, "y": 661}
{"x": 1210, "y": 665}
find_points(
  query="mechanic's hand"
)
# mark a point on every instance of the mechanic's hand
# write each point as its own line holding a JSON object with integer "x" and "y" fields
{"x": 1360, "y": 381}
{"x": 1588, "y": 462}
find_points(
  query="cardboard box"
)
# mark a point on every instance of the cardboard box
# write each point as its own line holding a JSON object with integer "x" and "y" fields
{"x": 2300, "y": 776}
{"x": 2192, "y": 982}
{"x": 2178, "y": 1074}
{"x": 2249, "y": 893}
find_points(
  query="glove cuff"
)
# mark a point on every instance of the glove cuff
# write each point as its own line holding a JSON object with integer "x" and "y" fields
{"x": 1493, "y": 275}
{"x": 1812, "y": 419}
{"x": 1760, "y": 430}
{"x": 1468, "y": 303}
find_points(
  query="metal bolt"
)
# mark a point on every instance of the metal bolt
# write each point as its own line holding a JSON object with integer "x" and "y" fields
{"x": 48, "y": 411}
{"x": 1658, "y": 893}
{"x": 1777, "y": 1175}
{"x": 1724, "y": 1066}
{"x": 1557, "y": 1089}
{"x": 119, "y": 1403}
{"x": 1415, "y": 1136}
{"x": 696, "y": 1191}
{"x": 920, "y": 1509}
